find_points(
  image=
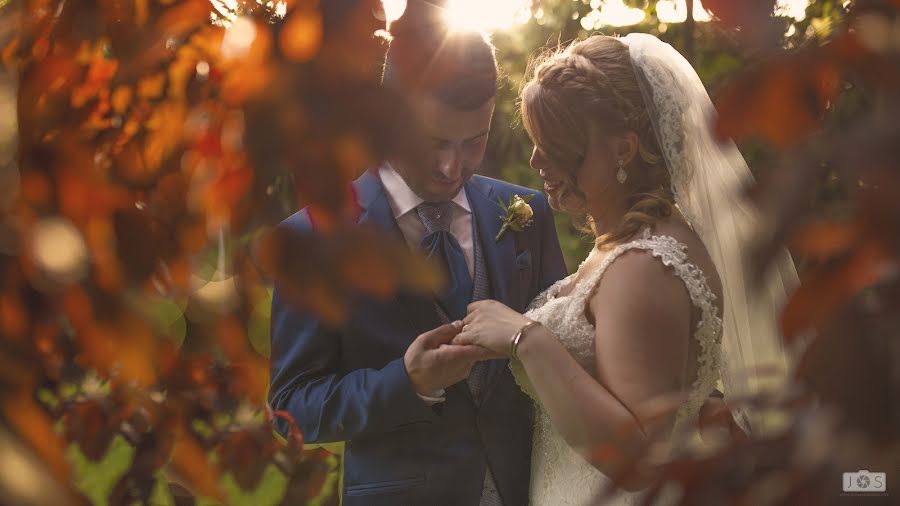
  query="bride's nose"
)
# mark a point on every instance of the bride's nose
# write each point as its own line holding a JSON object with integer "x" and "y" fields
{"x": 537, "y": 161}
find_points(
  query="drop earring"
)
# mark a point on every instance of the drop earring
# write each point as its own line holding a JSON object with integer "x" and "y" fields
{"x": 621, "y": 175}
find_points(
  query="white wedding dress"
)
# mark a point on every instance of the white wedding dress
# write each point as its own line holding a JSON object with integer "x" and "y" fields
{"x": 559, "y": 475}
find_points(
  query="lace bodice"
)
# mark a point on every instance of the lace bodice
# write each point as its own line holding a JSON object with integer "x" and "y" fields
{"x": 559, "y": 475}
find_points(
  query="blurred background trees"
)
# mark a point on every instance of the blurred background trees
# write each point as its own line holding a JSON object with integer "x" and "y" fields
{"x": 147, "y": 147}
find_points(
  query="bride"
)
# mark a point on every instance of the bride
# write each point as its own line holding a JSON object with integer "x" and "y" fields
{"x": 660, "y": 308}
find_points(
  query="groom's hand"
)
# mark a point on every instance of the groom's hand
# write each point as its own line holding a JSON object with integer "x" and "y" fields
{"x": 432, "y": 363}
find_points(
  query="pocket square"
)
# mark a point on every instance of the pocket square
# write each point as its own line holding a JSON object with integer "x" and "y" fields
{"x": 523, "y": 260}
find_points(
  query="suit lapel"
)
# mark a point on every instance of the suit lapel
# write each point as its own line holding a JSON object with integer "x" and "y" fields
{"x": 375, "y": 206}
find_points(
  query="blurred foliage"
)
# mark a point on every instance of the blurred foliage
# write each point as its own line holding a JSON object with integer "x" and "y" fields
{"x": 160, "y": 140}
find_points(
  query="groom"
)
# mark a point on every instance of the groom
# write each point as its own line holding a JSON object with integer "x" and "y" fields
{"x": 425, "y": 423}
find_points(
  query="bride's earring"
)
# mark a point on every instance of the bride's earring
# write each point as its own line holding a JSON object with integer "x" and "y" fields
{"x": 621, "y": 175}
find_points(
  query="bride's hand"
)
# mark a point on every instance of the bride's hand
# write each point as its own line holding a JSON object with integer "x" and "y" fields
{"x": 491, "y": 325}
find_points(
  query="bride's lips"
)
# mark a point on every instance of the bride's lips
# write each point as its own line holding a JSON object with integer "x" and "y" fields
{"x": 552, "y": 186}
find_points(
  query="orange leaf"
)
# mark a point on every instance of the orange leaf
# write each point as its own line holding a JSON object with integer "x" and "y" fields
{"x": 13, "y": 317}
{"x": 121, "y": 98}
{"x": 250, "y": 81}
{"x": 36, "y": 188}
{"x": 36, "y": 428}
{"x": 151, "y": 87}
{"x": 827, "y": 290}
{"x": 824, "y": 239}
{"x": 10, "y": 53}
{"x": 191, "y": 462}
{"x": 141, "y": 12}
{"x": 184, "y": 17}
{"x": 302, "y": 35}
{"x": 781, "y": 101}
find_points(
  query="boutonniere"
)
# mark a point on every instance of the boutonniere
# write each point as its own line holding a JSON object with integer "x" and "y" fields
{"x": 517, "y": 214}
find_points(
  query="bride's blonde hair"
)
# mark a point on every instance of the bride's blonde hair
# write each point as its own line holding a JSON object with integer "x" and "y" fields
{"x": 590, "y": 86}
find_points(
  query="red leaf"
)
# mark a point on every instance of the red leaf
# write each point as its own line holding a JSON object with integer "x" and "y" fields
{"x": 739, "y": 12}
{"x": 246, "y": 454}
{"x": 90, "y": 424}
{"x": 191, "y": 462}
{"x": 782, "y": 101}
{"x": 36, "y": 428}
{"x": 824, "y": 239}
{"x": 826, "y": 290}
{"x": 295, "y": 435}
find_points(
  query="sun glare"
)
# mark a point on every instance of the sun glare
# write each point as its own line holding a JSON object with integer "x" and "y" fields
{"x": 671, "y": 11}
{"x": 675, "y": 11}
{"x": 493, "y": 15}
{"x": 792, "y": 8}
{"x": 486, "y": 16}
{"x": 393, "y": 9}
{"x": 611, "y": 13}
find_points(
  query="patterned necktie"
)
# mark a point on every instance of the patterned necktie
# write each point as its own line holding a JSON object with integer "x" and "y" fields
{"x": 440, "y": 244}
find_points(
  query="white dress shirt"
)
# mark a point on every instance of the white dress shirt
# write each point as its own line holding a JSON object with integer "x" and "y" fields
{"x": 404, "y": 201}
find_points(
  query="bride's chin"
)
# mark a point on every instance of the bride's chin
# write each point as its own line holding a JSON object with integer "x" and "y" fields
{"x": 553, "y": 202}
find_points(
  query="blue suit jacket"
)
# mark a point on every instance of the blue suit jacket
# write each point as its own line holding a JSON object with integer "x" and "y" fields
{"x": 349, "y": 384}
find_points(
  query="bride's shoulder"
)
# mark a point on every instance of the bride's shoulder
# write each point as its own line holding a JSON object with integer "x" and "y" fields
{"x": 685, "y": 238}
{"x": 678, "y": 230}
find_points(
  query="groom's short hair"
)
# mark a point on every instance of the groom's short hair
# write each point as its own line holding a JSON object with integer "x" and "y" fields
{"x": 458, "y": 67}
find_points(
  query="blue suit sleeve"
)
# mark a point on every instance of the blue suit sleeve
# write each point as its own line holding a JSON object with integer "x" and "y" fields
{"x": 327, "y": 403}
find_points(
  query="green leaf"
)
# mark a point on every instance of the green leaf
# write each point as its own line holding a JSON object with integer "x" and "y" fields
{"x": 97, "y": 479}
{"x": 527, "y": 198}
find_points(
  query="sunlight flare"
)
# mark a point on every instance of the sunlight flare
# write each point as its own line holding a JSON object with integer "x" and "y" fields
{"x": 675, "y": 11}
{"x": 59, "y": 250}
{"x": 486, "y": 16}
{"x": 672, "y": 11}
{"x": 393, "y": 9}
{"x": 792, "y": 8}
{"x": 611, "y": 13}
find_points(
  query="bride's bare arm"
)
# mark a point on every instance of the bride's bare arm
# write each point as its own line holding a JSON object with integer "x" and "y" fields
{"x": 642, "y": 314}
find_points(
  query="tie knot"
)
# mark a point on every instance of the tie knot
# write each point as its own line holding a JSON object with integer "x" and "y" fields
{"x": 436, "y": 216}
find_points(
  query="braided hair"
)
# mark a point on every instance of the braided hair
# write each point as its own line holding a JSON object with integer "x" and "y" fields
{"x": 589, "y": 88}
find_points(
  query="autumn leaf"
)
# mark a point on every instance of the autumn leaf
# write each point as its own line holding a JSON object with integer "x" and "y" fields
{"x": 301, "y": 36}
{"x": 781, "y": 101}
{"x": 191, "y": 462}
{"x": 91, "y": 424}
{"x": 825, "y": 239}
{"x": 823, "y": 292}
{"x": 36, "y": 428}
{"x": 246, "y": 453}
